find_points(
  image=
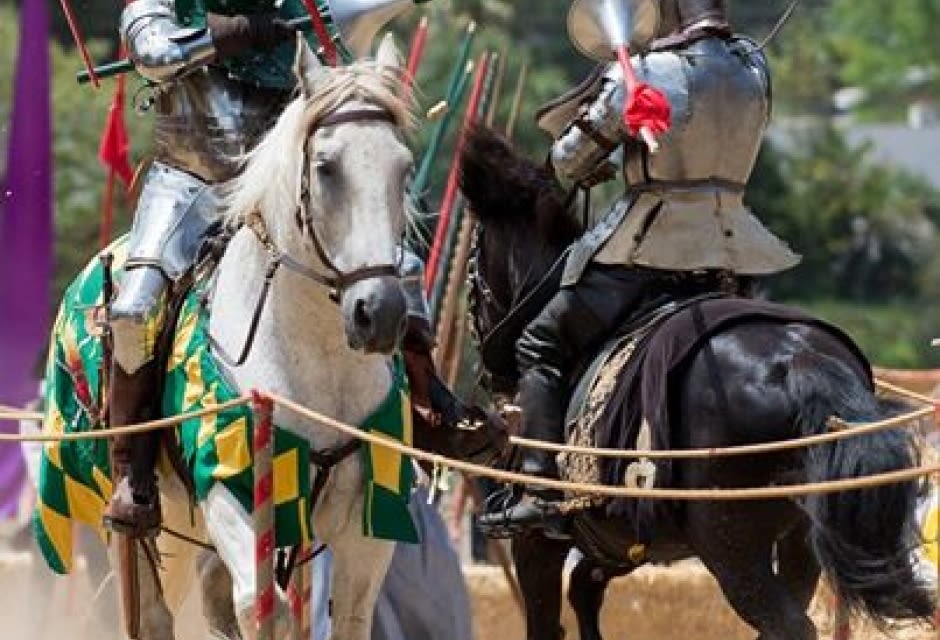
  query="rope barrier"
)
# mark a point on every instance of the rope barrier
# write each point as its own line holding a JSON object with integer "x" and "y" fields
{"x": 757, "y": 493}
{"x": 906, "y": 393}
{"x": 751, "y": 449}
{"x": 144, "y": 427}
{"x": 761, "y": 493}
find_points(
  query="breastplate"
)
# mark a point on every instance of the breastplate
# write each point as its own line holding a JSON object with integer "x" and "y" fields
{"x": 720, "y": 95}
{"x": 208, "y": 120}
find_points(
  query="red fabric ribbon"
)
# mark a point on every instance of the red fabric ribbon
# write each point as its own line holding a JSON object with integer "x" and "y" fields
{"x": 647, "y": 107}
{"x": 114, "y": 149}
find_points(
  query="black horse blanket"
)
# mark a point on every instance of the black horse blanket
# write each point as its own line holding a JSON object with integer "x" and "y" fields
{"x": 647, "y": 386}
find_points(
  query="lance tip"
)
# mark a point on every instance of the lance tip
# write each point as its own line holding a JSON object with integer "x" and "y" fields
{"x": 472, "y": 27}
{"x": 424, "y": 23}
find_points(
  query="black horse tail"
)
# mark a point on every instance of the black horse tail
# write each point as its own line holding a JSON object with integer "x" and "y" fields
{"x": 502, "y": 186}
{"x": 864, "y": 539}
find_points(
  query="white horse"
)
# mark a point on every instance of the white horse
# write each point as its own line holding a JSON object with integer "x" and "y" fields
{"x": 326, "y": 186}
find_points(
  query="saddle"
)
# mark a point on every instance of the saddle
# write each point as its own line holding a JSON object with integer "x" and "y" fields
{"x": 623, "y": 398}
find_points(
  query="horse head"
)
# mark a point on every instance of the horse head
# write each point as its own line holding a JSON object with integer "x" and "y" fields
{"x": 327, "y": 188}
{"x": 525, "y": 224}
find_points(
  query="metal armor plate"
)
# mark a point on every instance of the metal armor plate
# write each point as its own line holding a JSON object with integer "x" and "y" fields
{"x": 174, "y": 212}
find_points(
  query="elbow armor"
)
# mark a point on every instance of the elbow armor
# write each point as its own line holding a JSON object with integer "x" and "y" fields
{"x": 161, "y": 49}
{"x": 593, "y": 136}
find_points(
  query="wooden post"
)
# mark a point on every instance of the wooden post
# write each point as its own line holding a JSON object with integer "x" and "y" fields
{"x": 299, "y": 595}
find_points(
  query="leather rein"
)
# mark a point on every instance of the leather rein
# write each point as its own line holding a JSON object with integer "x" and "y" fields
{"x": 332, "y": 277}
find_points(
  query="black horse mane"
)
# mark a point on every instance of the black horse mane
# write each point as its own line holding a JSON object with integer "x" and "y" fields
{"x": 509, "y": 191}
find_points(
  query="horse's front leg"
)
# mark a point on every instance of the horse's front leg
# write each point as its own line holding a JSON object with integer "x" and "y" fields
{"x": 232, "y": 533}
{"x": 359, "y": 563}
{"x": 539, "y": 563}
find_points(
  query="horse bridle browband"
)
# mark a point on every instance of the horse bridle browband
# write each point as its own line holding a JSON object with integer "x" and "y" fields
{"x": 336, "y": 280}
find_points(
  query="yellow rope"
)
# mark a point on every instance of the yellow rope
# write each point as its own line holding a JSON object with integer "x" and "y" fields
{"x": 751, "y": 449}
{"x": 146, "y": 427}
{"x": 760, "y": 493}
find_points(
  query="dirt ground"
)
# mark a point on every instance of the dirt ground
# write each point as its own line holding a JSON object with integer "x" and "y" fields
{"x": 681, "y": 602}
{"x": 654, "y": 604}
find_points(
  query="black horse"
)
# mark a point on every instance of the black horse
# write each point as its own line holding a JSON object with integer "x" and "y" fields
{"x": 757, "y": 381}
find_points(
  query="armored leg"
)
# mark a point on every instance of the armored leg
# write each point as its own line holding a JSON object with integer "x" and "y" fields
{"x": 134, "y": 508}
{"x": 571, "y": 327}
{"x": 174, "y": 211}
{"x": 573, "y": 324}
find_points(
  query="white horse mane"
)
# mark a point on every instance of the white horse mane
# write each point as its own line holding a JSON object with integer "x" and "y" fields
{"x": 268, "y": 182}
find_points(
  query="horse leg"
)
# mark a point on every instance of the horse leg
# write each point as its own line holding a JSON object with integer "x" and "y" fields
{"x": 586, "y": 590}
{"x": 797, "y": 566}
{"x": 233, "y": 535}
{"x": 737, "y": 549}
{"x": 359, "y": 562}
{"x": 217, "y": 589}
{"x": 539, "y": 563}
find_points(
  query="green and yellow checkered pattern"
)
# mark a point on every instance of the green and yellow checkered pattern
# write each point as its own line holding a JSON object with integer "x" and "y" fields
{"x": 75, "y": 476}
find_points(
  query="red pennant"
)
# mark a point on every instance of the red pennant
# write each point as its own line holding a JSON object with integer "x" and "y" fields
{"x": 114, "y": 150}
{"x": 647, "y": 108}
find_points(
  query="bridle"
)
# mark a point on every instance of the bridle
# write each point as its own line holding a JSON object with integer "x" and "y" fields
{"x": 331, "y": 276}
{"x": 496, "y": 343}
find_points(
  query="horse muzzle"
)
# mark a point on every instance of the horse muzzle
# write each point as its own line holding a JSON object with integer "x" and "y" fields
{"x": 374, "y": 313}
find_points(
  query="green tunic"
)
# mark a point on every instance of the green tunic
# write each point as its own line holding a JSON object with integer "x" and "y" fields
{"x": 269, "y": 68}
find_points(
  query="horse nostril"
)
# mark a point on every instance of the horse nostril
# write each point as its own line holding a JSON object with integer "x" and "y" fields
{"x": 361, "y": 316}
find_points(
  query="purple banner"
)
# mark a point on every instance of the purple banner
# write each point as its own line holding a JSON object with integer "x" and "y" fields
{"x": 25, "y": 238}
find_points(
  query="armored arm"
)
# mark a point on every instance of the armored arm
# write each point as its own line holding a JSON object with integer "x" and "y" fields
{"x": 163, "y": 50}
{"x": 583, "y": 149}
{"x": 159, "y": 46}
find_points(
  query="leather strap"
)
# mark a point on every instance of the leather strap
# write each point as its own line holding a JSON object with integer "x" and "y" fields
{"x": 354, "y": 115}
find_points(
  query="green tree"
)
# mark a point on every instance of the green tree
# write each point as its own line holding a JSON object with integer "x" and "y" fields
{"x": 888, "y": 48}
{"x": 864, "y": 229}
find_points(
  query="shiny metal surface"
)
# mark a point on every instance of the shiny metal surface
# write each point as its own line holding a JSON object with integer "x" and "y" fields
{"x": 720, "y": 96}
{"x": 208, "y": 120}
{"x": 598, "y": 27}
{"x": 682, "y": 207}
{"x": 719, "y": 92}
{"x": 161, "y": 49}
{"x": 173, "y": 213}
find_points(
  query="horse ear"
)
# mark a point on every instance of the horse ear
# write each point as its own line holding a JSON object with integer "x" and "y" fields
{"x": 307, "y": 66}
{"x": 388, "y": 54}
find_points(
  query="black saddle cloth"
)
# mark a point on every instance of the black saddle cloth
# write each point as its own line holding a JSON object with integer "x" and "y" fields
{"x": 644, "y": 385}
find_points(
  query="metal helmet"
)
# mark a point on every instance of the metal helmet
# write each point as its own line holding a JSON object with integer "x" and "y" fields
{"x": 678, "y": 15}
{"x": 598, "y": 27}
{"x": 359, "y": 21}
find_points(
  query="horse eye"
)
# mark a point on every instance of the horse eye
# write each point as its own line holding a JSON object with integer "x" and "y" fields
{"x": 325, "y": 168}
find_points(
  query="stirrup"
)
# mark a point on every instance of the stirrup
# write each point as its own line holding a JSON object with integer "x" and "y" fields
{"x": 509, "y": 514}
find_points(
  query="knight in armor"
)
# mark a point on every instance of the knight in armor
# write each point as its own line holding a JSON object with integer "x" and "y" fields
{"x": 679, "y": 230}
{"x": 222, "y": 72}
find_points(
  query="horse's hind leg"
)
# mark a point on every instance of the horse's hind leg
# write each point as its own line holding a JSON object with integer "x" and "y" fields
{"x": 539, "y": 565}
{"x": 797, "y": 566}
{"x": 217, "y": 605}
{"x": 737, "y": 548}
{"x": 586, "y": 590}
